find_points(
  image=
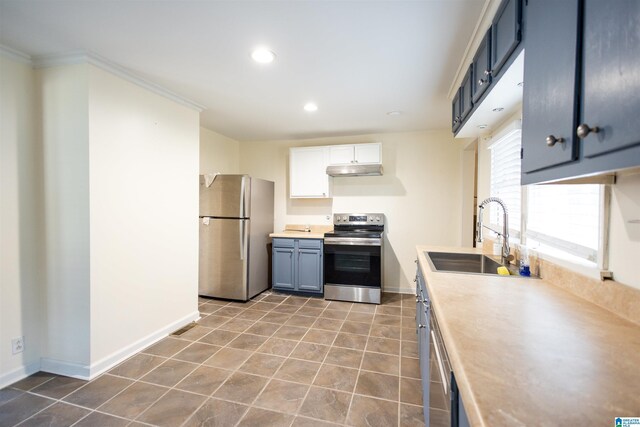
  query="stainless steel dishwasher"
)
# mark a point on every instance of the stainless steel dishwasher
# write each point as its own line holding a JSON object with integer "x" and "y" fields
{"x": 443, "y": 390}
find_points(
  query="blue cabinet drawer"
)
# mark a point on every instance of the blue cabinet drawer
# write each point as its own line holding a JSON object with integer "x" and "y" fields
{"x": 284, "y": 243}
{"x": 310, "y": 244}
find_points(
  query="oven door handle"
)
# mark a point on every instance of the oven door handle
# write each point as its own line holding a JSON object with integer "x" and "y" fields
{"x": 346, "y": 241}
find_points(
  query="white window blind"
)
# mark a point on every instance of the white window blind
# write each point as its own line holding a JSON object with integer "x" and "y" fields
{"x": 565, "y": 217}
{"x": 505, "y": 180}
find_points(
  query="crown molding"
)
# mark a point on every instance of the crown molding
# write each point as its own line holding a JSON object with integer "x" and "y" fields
{"x": 83, "y": 57}
{"x": 15, "y": 55}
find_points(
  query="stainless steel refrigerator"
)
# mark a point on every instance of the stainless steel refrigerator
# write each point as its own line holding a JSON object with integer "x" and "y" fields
{"x": 236, "y": 217}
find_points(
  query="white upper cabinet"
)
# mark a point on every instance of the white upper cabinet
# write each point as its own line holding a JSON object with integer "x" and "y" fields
{"x": 341, "y": 154}
{"x": 356, "y": 153}
{"x": 308, "y": 172}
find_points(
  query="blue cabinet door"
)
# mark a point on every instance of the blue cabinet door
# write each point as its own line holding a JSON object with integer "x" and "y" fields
{"x": 283, "y": 268}
{"x": 550, "y": 75}
{"x": 309, "y": 270}
{"x": 611, "y": 60}
{"x": 466, "y": 104}
{"x": 505, "y": 33}
{"x": 456, "y": 117}
{"x": 481, "y": 68}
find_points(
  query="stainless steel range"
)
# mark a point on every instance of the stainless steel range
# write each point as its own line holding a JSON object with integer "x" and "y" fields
{"x": 353, "y": 258}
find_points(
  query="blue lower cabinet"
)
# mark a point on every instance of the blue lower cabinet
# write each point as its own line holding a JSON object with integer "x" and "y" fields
{"x": 283, "y": 268}
{"x": 422, "y": 327}
{"x": 297, "y": 265}
{"x": 310, "y": 270}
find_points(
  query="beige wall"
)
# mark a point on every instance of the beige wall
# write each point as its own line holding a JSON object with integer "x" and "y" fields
{"x": 624, "y": 238}
{"x": 98, "y": 221}
{"x": 21, "y": 221}
{"x": 218, "y": 153}
{"x": 420, "y": 192}
{"x": 65, "y": 138}
{"x": 143, "y": 157}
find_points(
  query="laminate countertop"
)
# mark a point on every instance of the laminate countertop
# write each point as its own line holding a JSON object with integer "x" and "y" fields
{"x": 528, "y": 353}
{"x": 298, "y": 235}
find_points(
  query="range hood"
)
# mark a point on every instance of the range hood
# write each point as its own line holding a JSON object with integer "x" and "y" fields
{"x": 355, "y": 170}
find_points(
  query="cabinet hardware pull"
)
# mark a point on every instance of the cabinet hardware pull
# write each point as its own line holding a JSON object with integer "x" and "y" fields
{"x": 421, "y": 326}
{"x": 552, "y": 140}
{"x": 487, "y": 72}
{"x": 584, "y": 130}
{"x": 482, "y": 81}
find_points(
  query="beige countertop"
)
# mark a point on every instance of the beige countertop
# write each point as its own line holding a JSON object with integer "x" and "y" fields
{"x": 528, "y": 353}
{"x": 298, "y": 235}
{"x": 291, "y": 231}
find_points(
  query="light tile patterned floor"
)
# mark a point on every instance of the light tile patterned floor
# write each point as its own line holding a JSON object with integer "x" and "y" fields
{"x": 277, "y": 360}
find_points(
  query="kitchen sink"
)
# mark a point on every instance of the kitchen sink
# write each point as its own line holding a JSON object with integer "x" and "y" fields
{"x": 462, "y": 263}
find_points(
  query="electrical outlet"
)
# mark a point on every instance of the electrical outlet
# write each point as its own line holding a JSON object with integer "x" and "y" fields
{"x": 17, "y": 345}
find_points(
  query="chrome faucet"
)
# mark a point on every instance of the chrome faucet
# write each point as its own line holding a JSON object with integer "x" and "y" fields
{"x": 506, "y": 255}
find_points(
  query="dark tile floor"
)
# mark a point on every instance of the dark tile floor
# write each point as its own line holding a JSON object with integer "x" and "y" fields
{"x": 277, "y": 360}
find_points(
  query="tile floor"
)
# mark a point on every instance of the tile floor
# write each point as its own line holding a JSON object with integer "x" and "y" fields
{"x": 277, "y": 360}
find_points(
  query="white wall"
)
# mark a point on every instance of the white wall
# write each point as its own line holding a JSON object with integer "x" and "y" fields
{"x": 624, "y": 238}
{"x": 419, "y": 192}
{"x": 21, "y": 221}
{"x": 143, "y": 174}
{"x": 65, "y": 138}
{"x": 218, "y": 153}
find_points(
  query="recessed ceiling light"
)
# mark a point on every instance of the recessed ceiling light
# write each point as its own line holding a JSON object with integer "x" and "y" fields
{"x": 310, "y": 106}
{"x": 263, "y": 55}
{"x": 394, "y": 113}
{"x": 497, "y": 109}
{"x": 482, "y": 126}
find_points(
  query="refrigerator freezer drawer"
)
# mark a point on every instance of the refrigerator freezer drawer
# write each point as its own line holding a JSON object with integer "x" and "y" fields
{"x": 223, "y": 266}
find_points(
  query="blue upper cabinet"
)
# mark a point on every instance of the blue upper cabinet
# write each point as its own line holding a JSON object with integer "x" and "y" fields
{"x": 611, "y": 88}
{"x": 550, "y": 81}
{"x": 505, "y": 33}
{"x": 456, "y": 118}
{"x": 481, "y": 68}
{"x": 581, "y": 89}
{"x": 466, "y": 102}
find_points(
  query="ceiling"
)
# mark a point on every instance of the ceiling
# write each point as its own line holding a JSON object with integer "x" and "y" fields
{"x": 357, "y": 60}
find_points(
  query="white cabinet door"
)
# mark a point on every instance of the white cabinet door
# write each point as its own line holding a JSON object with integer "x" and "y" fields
{"x": 341, "y": 154}
{"x": 368, "y": 153}
{"x": 308, "y": 172}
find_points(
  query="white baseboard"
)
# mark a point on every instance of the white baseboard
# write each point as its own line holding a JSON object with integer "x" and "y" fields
{"x": 19, "y": 373}
{"x": 62, "y": 367}
{"x": 90, "y": 372}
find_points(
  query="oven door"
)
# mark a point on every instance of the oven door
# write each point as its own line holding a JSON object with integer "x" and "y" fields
{"x": 348, "y": 263}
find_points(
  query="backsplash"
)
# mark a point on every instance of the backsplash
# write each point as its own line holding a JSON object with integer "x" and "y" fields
{"x": 613, "y": 296}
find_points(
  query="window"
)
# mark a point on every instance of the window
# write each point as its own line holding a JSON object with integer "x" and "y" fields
{"x": 559, "y": 218}
{"x": 505, "y": 179}
{"x": 565, "y": 217}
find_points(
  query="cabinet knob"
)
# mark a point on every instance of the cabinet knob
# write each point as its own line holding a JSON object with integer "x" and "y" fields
{"x": 487, "y": 72}
{"x": 552, "y": 140}
{"x": 584, "y": 130}
{"x": 481, "y": 81}
{"x": 421, "y": 326}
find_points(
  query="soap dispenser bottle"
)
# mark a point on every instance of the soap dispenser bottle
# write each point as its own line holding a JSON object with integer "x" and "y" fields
{"x": 524, "y": 262}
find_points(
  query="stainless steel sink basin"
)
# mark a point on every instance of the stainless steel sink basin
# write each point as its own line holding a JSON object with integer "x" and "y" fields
{"x": 462, "y": 263}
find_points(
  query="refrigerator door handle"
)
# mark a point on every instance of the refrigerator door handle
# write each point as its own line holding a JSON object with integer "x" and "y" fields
{"x": 242, "y": 199}
{"x": 241, "y": 223}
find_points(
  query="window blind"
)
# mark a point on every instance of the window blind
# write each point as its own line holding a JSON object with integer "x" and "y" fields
{"x": 505, "y": 180}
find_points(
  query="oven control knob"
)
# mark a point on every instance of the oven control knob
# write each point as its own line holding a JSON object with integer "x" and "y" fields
{"x": 377, "y": 218}
{"x": 344, "y": 218}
